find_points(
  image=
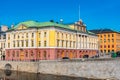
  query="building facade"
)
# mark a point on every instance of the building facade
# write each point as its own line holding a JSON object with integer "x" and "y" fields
{"x": 32, "y": 40}
{"x": 3, "y": 30}
{"x": 109, "y": 40}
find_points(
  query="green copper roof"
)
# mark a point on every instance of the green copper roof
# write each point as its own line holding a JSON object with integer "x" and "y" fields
{"x": 40, "y": 24}
{"x": 31, "y": 24}
{"x": 27, "y": 24}
{"x": 91, "y": 33}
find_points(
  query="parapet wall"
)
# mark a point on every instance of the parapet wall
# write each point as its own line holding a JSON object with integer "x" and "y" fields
{"x": 97, "y": 68}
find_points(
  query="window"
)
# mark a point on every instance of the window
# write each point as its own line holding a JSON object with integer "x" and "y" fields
{"x": 8, "y": 45}
{"x": 26, "y": 35}
{"x": 100, "y": 40}
{"x": 0, "y": 36}
{"x": 112, "y": 35}
{"x": 26, "y": 54}
{"x": 22, "y": 43}
{"x": 104, "y": 46}
{"x": 17, "y": 43}
{"x": 32, "y": 34}
{"x": 66, "y": 36}
{"x": 108, "y": 35}
{"x": 62, "y": 43}
{"x": 104, "y": 51}
{"x": 57, "y": 34}
{"x": 112, "y": 46}
{"x": 4, "y": 36}
{"x": 100, "y": 46}
{"x": 39, "y": 35}
{"x": 13, "y": 54}
{"x": 8, "y": 36}
{"x": 112, "y": 50}
{"x": 32, "y": 53}
{"x": 66, "y": 43}
{"x": 18, "y": 36}
{"x": 39, "y": 54}
{"x": 4, "y": 45}
{"x": 108, "y": 40}
{"x": 32, "y": 43}
{"x": 108, "y": 46}
{"x": 14, "y": 36}
{"x": 13, "y": 43}
{"x": 70, "y": 36}
{"x": 108, "y": 51}
{"x": 22, "y": 35}
{"x": 105, "y": 36}
{"x": 112, "y": 40}
{"x": 73, "y": 44}
{"x": 57, "y": 43}
{"x": 45, "y": 43}
{"x": 104, "y": 40}
{"x": 26, "y": 43}
{"x": 70, "y": 43}
{"x": 62, "y": 35}
{"x": 45, "y": 55}
{"x": 39, "y": 43}
{"x": 44, "y": 34}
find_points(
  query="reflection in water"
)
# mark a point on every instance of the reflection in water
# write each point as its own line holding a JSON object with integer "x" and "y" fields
{"x": 8, "y": 72}
{"x": 30, "y": 76}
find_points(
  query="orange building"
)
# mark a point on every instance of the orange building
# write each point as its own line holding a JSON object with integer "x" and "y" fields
{"x": 109, "y": 40}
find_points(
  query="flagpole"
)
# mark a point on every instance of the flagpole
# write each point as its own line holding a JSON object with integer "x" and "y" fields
{"x": 79, "y": 12}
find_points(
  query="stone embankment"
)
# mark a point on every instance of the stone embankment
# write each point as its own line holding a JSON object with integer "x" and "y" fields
{"x": 93, "y": 68}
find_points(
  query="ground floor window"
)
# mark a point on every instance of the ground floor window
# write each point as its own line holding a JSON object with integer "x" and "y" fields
{"x": 45, "y": 55}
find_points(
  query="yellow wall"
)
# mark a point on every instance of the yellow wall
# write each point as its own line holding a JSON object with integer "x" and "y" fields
{"x": 37, "y": 38}
{"x": 52, "y": 38}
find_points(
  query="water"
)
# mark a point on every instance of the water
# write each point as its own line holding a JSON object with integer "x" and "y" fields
{"x": 12, "y": 75}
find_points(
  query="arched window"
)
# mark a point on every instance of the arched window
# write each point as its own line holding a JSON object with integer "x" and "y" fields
{"x": 45, "y": 55}
{"x": 13, "y": 54}
{"x": 39, "y": 54}
{"x": 32, "y": 53}
{"x": 26, "y": 54}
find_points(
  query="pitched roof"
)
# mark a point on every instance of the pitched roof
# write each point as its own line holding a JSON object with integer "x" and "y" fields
{"x": 35, "y": 24}
{"x": 99, "y": 31}
{"x": 30, "y": 24}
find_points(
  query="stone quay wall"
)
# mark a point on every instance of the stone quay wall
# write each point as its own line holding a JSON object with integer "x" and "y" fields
{"x": 92, "y": 68}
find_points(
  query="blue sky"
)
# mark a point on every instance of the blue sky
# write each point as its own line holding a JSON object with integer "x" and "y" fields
{"x": 94, "y": 13}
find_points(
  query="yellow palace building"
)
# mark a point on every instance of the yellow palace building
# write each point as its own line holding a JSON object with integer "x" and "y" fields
{"x": 31, "y": 40}
{"x": 109, "y": 40}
